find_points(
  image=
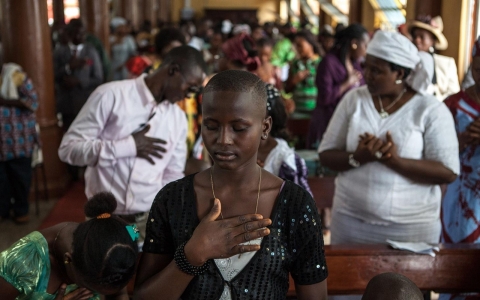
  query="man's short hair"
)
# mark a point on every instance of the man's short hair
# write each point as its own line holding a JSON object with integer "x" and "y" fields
{"x": 166, "y": 36}
{"x": 241, "y": 82}
{"x": 187, "y": 58}
{"x": 74, "y": 24}
{"x": 392, "y": 286}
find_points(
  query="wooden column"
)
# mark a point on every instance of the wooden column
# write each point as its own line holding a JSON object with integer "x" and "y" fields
{"x": 164, "y": 10}
{"x": 355, "y": 14}
{"x": 368, "y": 16}
{"x": 28, "y": 44}
{"x": 411, "y": 7}
{"x": 58, "y": 11}
{"x": 325, "y": 19}
{"x": 128, "y": 9}
{"x": 429, "y": 7}
{"x": 150, "y": 8}
{"x": 455, "y": 22}
{"x": 94, "y": 15}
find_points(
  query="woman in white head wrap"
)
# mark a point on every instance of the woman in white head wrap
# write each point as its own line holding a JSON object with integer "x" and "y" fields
{"x": 123, "y": 46}
{"x": 393, "y": 146}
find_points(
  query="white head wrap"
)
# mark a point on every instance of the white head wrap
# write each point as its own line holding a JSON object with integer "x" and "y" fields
{"x": 226, "y": 26}
{"x": 396, "y": 48}
{"x": 241, "y": 28}
{"x": 8, "y": 89}
{"x": 117, "y": 21}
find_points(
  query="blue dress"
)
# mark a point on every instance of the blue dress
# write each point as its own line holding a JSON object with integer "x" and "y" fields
{"x": 461, "y": 204}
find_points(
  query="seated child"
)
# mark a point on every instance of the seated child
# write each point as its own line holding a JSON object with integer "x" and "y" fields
{"x": 78, "y": 260}
{"x": 233, "y": 231}
{"x": 391, "y": 286}
{"x": 274, "y": 154}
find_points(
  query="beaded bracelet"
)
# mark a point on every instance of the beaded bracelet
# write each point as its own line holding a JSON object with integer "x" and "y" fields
{"x": 184, "y": 265}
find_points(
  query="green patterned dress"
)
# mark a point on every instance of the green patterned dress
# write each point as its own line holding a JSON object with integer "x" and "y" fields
{"x": 26, "y": 266}
{"x": 305, "y": 92}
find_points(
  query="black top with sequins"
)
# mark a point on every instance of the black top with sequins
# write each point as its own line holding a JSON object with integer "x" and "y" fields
{"x": 295, "y": 244}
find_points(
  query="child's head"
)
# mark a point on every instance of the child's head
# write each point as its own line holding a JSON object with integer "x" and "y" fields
{"x": 234, "y": 118}
{"x": 104, "y": 251}
{"x": 391, "y": 286}
{"x": 276, "y": 110}
{"x": 265, "y": 47}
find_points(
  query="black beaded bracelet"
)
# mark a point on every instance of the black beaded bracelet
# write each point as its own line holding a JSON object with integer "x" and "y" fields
{"x": 184, "y": 265}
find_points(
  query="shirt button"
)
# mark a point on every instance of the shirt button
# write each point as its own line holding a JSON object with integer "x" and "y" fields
{"x": 151, "y": 241}
{"x": 151, "y": 220}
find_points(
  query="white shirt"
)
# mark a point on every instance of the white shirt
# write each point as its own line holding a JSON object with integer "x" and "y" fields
{"x": 282, "y": 153}
{"x": 78, "y": 48}
{"x": 231, "y": 266}
{"x": 101, "y": 138}
{"x": 423, "y": 128}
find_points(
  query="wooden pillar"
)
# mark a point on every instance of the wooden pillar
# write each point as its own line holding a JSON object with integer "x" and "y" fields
{"x": 58, "y": 11}
{"x": 429, "y": 7}
{"x": 150, "y": 8}
{"x": 94, "y": 15}
{"x": 355, "y": 14}
{"x": 411, "y": 10}
{"x": 164, "y": 11}
{"x": 455, "y": 22}
{"x": 140, "y": 14}
{"x": 129, "y": 10}
{"x": 368, "y": 16}
{"x": 325, "y": 19}
{"x": 28, "y": 44}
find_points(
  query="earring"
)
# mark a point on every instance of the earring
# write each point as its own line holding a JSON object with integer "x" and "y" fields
{"x": 398, "y": 81}
{"x": 67, "y": 262}
{"x": 264, "y": 136}
{"x": 354, "y": 46}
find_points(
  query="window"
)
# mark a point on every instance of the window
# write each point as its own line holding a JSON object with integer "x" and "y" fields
{"x": 71, "y": 10}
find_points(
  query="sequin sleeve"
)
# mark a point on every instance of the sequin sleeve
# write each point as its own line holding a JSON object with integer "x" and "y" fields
{"x": 26, "y": 265}
{"x": 159, "y": 238}
{"x": 308, "y": 264}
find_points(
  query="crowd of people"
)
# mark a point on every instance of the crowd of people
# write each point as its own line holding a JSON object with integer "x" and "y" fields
{"x": 183, "y": 134}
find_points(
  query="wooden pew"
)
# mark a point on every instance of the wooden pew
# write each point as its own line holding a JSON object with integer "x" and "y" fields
{"x": 299, "y": 128}
{"x": 454, "y": 269}
{"x": 323, "y": 189}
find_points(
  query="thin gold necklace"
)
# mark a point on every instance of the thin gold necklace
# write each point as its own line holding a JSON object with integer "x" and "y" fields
{"x": 383, "y": 112}
{"x": 258, "y": 194}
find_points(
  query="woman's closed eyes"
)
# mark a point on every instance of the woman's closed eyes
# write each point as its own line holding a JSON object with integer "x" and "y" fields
{"x": 235, "y": 128}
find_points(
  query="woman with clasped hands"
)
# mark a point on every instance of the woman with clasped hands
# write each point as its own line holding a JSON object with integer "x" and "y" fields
{"x": 393, "y": 146}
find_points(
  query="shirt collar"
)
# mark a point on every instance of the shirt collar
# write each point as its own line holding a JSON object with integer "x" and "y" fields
{"x": 78, "y": 47}
{"x": 147, "y": 96}
{"x": 145, "y": 93}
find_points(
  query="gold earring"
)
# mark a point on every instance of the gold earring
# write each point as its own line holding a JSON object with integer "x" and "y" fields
{"x": 354, "y": 46}
{"x": 67, "y": 262}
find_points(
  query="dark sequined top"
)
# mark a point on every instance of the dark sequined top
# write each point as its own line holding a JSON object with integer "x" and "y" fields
{"x": 295, "y": 244}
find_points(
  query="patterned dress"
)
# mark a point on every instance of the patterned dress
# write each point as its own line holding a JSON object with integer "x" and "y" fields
{"x": 305, "y": 92}
{"x": 461, "y": 204}
{"x": 18, "y": 135}
{"x": 294, "y": 246}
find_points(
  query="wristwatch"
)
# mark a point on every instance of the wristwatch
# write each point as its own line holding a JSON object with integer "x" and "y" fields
{"x": 352, "y": 161}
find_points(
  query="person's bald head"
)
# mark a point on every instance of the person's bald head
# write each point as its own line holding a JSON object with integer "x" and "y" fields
{"x": 240, "y": 82}
{"x": 391, "y": 286}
